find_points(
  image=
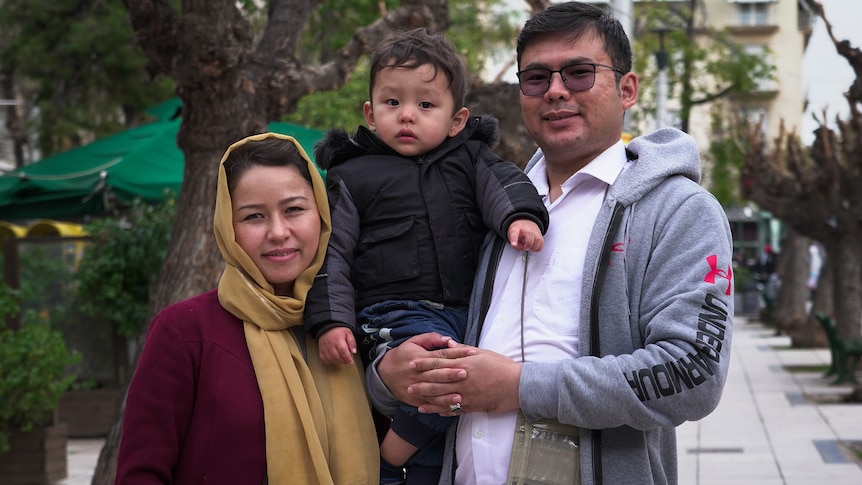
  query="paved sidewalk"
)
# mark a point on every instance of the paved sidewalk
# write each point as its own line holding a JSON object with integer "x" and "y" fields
{"x": 83, "y": 454}
{"x": 765, "y": 431}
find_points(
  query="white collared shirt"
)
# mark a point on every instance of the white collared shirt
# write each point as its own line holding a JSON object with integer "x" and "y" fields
{"x": 552, "y": 302}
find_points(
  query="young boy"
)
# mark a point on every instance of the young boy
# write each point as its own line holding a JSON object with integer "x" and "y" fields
{"x": 412, "y": 199}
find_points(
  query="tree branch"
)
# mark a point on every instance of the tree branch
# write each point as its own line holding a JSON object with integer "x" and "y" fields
{"x": 288, "y": 81}
{"x": 155, "y": 23}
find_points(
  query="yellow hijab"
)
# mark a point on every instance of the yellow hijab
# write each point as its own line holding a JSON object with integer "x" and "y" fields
{"x": 318, "y": 421}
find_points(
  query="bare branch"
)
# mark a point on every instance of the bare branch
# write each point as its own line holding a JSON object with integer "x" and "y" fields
{"x": 288, "y": 81}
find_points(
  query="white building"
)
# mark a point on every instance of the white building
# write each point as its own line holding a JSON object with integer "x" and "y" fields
{"x": 779, "y": 28}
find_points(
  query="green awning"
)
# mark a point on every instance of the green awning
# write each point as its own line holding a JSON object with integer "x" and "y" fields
{"x": 138, "y": 163}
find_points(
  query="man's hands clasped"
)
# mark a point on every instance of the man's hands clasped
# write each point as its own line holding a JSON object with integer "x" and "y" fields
{"x": 437, "y": 375}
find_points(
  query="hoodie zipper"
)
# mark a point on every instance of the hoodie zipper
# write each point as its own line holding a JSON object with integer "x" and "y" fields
{"x": 595, "y": 342}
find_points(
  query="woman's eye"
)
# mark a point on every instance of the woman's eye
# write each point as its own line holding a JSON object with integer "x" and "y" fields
{"x": 294, "y": 210}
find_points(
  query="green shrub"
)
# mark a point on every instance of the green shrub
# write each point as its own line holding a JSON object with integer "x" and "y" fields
{"x": 121, "y": 264}
{"x": 742, "y": 279}
{"x": 33, "y": 375}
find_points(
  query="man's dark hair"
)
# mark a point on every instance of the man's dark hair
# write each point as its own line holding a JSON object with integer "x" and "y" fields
{"x": 417, "y": 47}
{"x": 577, "y": 19}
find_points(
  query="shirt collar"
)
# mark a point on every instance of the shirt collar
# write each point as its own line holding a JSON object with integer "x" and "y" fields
{"x": 605, "y": 167}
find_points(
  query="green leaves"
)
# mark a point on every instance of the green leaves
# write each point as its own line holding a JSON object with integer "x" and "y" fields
{"x": 121, "y": 264}
{"x": 77, "y": 67}
{"x": 33, "y": 377}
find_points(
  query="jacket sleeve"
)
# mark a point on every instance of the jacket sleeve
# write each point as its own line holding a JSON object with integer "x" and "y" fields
{"x": 505, "y": 194}
{"x": 331, "y": 302}
{"x": 666, "y": 327}
{"x": 158, "y": 407}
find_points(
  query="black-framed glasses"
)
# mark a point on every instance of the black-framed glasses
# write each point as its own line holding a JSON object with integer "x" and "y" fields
{"x": 577, "y": 77}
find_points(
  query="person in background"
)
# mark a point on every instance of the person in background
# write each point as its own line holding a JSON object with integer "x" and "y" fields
{"x": 412, "y": 198}
{"x": 764, "y": 267}
{"x": 620, "y": 329}
{"x": 815, "y": 252}
{"x": 229, "y": 388}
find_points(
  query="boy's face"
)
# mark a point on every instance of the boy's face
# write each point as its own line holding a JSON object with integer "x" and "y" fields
{"x": 411, "y": 110}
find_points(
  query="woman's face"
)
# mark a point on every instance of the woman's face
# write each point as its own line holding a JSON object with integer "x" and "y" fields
{"x": 276, "y": 222}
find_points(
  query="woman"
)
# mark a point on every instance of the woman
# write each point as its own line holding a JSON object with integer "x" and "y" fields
{"x": 229, "y": 389}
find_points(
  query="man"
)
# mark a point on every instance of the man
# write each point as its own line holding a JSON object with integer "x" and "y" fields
{"x": 621, "y": 325}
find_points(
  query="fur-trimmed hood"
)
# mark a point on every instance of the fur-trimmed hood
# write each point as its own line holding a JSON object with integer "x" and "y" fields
{"x": 337, "y": 146}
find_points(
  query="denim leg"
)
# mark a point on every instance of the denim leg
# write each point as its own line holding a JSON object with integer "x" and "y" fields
{"x": 391, "y": 322}
{"x": 416, "y": 428}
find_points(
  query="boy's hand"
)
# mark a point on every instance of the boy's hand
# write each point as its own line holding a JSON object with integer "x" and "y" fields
{"x": 525, "y": 235}
{"x": 337, "y": 346}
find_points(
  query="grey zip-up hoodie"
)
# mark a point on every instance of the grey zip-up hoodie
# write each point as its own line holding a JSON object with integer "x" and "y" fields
{"x": 655, "y": 323}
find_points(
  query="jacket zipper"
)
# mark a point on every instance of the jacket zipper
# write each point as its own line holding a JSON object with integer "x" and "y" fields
{"x": 595, "y": 342}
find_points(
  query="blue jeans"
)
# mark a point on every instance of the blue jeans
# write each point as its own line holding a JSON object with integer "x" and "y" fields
{"x": 391, "y": 322}
{"x": 388, "y": 324}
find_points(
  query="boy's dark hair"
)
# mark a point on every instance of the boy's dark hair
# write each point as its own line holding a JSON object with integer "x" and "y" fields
{"x": 578, "y": 19}
{"x": 269, "y": 152}
{"x": 417, "y": 47}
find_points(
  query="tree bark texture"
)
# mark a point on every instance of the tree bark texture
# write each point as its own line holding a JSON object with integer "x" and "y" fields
{"x": 502, "y": 101}
{"x": 232, "y": 84}
{"x": 811, "y": 335}
{"x": 793, "y": 266}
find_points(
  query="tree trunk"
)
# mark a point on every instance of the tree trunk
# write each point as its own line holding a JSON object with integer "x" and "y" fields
{"x": 811, "y": 335}
{"x": 502, "y": 101}
{"x": 793, "y": 265}
{"x": 232, "y": 84}
{"x": 847, "y": 278}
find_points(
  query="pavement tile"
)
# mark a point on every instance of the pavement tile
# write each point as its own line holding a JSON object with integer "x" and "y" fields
{"x": 786, "y": 438}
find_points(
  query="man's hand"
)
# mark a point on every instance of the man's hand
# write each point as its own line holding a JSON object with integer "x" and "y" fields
{"x": 398, "y": 372}
{"x": 525, "y": 235}
{"x": 490, "y": 382}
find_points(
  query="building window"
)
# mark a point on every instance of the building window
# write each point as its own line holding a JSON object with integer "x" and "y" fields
{"x": 756, "y": 118}
{"x": 753, "y": 13}
{"x": 761, "y": 51}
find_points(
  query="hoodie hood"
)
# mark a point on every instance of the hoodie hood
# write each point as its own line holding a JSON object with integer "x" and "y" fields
{"x": 337, "y": 146}
{"x": 657, "y": 156}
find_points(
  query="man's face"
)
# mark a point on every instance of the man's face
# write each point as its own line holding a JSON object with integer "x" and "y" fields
{"x": 572, "y": 128}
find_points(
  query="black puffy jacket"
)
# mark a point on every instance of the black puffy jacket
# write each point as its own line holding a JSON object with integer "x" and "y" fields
{"x": 410, "y": 228}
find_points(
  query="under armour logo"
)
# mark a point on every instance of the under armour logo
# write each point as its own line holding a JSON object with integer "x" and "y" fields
{"x": 619, "y": 247}
{"x": 714, "y": 272}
